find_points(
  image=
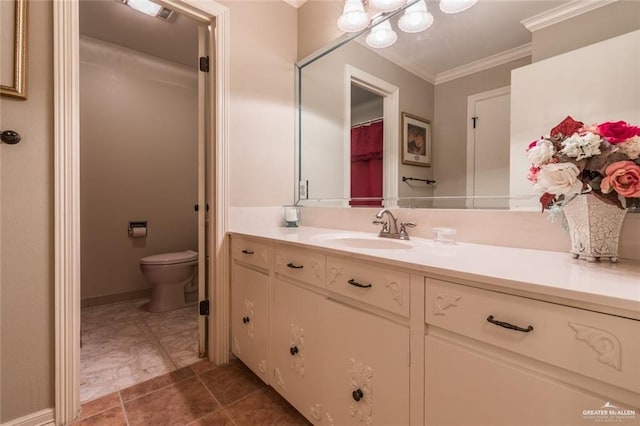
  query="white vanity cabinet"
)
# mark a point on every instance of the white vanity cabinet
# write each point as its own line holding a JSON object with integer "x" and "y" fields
{"x": 297, "y": 340}
{"x": 366, "y": 368}
{"x": 250, "y": 305}
{"x": 509, "y": 360}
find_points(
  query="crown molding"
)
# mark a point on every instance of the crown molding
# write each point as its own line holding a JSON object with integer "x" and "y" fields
{"x": 484, "y": 64}
{"x": 295, "y": 3}
{"x": 562, "y": 13}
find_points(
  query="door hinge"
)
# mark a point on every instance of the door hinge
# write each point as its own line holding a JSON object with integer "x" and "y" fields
{"x": 204, "y": 307}
{"x": 475, "y": 120}
{"x": 204, "y": 63}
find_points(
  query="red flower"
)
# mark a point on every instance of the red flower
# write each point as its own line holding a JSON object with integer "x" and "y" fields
{"x": 618, "y": 131}
{"x": 547, "y": 200}
{"x": 568, "y": 127}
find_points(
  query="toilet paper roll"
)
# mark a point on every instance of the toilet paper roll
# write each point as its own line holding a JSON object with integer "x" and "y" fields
{"x": 139, "y": 232}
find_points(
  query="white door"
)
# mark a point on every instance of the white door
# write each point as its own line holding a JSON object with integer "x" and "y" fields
{"x": 488, "y": 134}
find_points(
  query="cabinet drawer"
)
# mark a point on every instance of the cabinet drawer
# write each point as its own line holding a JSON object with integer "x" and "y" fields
{"x": 251, "y": 252}
{"x": 384, "y": 288}
{"x": 303, "y": 265}
{"x": 597, "y": 345}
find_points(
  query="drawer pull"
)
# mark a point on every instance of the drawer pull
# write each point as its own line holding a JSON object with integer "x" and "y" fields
{"x": 245, "y": 251}
{"x": 357, "y": 394}
{"x": 509, "y": 326}
{"x": 357, "y": 284}
{"x": 245, "y": 320}
{"x": 293, "y": 350}
{"x": 294, "y": 266}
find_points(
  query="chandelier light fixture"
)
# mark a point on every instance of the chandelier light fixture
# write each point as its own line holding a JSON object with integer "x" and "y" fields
{"x": 456, "y": 6}
{"x": 416, "y": 18}
{"x": 382, "y": 35}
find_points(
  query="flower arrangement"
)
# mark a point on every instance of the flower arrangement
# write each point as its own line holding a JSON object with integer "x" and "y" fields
{"x": 603, "y": 159}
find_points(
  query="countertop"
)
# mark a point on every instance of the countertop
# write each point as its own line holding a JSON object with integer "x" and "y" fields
{"x": 613, "y": 288}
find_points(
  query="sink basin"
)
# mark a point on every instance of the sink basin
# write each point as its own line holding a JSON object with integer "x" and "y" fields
{"x": 363, "y": 242}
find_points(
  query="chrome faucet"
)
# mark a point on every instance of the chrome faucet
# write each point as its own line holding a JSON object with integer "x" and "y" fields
{"x": 390, "y": 226}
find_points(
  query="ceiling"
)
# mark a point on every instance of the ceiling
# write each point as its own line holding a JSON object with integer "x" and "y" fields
{"x": 490, "y": 27}
{"x": 175, "y": 40}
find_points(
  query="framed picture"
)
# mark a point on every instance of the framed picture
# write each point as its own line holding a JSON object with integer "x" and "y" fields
{"x": 416, "y": 140}
{"x": 13, "y": 48}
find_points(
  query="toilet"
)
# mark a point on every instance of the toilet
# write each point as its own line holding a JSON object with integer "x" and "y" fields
{"x": 171, "y": 275}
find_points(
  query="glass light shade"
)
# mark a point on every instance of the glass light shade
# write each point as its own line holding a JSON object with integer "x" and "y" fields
{"x": 353, "y": 18}
{"x": 456, "y": 6}
{"x": 381, "y": 36}
{"x": 145, "y": 6}
{"x": 386, "y": 5}
{"x": 415, "y": 18}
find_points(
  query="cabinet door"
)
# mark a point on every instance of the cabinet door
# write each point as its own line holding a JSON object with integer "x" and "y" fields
{"x": 465, "y": 387}
{"x": 250, "y": 319}
{"x": 366, "y": 380}
{"x": 296, "y": 347}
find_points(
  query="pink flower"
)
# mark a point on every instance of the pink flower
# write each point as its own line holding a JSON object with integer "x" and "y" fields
{"x": 622, "y": 177}
{"x": 618, "y": 131}
{"x": 533, "y": 174}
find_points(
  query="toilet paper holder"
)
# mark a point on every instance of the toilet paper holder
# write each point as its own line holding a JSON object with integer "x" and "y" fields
{"x": 137, "y": 229}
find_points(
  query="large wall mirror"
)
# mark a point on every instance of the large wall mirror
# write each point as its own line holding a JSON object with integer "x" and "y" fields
{"x": 483, "y": 83}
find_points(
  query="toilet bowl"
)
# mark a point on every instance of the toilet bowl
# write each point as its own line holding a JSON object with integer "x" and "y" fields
{"x": 169, "y": 274}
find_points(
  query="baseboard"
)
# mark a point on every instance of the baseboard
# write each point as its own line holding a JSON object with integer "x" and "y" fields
{"x": 109, "y": 299}
{"x": 39, "y": 418}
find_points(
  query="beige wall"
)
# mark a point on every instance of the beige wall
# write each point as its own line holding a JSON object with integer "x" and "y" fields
{"x": 317, "y": 25}
{"x": 609, "y": 21}
{"x": 450, "y": 126}
{"x": 138, "y": 144}
{"x": 263, "y": 53}
{"x": 26, "y": 232}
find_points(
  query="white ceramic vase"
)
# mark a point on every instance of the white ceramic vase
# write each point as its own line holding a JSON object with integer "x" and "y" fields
{"x": 594, "y": 227}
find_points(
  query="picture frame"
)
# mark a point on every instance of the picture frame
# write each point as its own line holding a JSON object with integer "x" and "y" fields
{"x": 416, "y": 140}
{"x": 13, "y": 50}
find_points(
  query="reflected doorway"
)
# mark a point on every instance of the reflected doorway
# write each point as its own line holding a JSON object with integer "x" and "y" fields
{"x": 367, "y": 147}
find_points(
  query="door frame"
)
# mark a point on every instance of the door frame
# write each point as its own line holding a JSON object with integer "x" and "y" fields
{"x": 391, "y": 129}
{"x": 67, "y": 192}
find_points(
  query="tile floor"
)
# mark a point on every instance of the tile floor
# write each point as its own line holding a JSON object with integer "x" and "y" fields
{"x": 199, "y": 395}
{"x": 124, "y": 344}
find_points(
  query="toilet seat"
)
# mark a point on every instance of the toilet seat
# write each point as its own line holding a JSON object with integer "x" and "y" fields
{"x": 170, "y": 258}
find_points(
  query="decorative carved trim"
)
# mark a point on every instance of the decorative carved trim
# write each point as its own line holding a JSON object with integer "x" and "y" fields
{"x": 361, "y": 378}
{"x": 604, "y": 343}
{"x": 297, "y": 339}
{"x": 279, "y": 379}
{"x": 396, "y": 290}
{"x": 236, "y": 346}
{"x": 444, "y": 301}
{"x": 315, "y": 411}
{"x": 329, "y": 419}
{"x": 262, "y": 366}
{"x": 316, "y": 268}
{"x": 248, "y": 311}
{"x": 334, "y": 274}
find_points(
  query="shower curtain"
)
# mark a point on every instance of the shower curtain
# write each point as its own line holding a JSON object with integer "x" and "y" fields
{"x": 366, "y": 164}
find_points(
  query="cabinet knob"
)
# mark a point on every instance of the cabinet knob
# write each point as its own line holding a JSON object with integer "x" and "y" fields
{"x": 245, "y": 319}
{"x": 357, "y": 394}
{"x": 293, "y": 350}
